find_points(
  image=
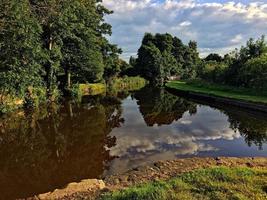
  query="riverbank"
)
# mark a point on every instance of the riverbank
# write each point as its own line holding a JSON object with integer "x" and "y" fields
{"x": 118, "y": 84}
{"x": 241, "y": 97}
{"x": 159, "y": 176}
{"x": 38, "y": 96}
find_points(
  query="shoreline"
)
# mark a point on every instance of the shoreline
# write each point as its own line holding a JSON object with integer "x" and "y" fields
{"x": 212, "y": 98}
{"x": 161, "y": 170}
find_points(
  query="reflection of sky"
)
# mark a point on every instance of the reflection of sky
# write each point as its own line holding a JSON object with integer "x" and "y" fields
{"x": 206, "y": 133}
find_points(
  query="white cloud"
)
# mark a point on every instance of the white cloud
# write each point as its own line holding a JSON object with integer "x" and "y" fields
{"x": 217, "y": 27}
{"x": 237, "y": 39}
{"x": 185, "y": 23}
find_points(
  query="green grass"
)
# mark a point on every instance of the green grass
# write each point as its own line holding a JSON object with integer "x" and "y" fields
{"x": 118, "y": 84}
{"x": 128, "y": 83}
{"x": 92, "y": 89}
{"x": 244, "y": 94}
{"x": 218, "y": 183}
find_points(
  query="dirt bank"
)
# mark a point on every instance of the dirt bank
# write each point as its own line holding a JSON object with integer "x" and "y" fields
{"x": 162, "y": 170}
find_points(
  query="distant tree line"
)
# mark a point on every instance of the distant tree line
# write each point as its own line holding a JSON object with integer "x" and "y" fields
{"x": 246, "y": 67}
{"x": 54, "y": 43}
{"x": 162, "y": 56}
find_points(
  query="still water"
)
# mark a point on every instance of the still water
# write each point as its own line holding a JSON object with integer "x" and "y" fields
{"x": 53, "y": 146}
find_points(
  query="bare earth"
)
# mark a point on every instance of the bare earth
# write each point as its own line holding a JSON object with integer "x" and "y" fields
{"x": 163, "y": 170}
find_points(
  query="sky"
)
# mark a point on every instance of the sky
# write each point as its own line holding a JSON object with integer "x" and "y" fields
{"x": 217, "y": 26}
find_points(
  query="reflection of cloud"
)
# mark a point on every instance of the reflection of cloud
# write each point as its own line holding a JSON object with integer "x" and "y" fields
{"x": 185, "y": 122}
{"x": 137, "y": 143}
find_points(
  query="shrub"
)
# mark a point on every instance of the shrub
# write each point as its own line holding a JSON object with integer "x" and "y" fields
{"x": 254, "y": 72}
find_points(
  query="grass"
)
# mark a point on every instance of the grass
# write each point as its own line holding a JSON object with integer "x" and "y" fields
{"x": 128, "y": 83}
{"x": 244, "y": 94}
{"x": 118, "y": 84}
{"x": 92, "y": 89}
{"x": 219, "y": 183}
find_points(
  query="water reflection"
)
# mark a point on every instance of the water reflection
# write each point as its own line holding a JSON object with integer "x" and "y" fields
{"x": 160, "y": 107}
{"x": 48, "y": 148}
{"x": 160, "y": 126}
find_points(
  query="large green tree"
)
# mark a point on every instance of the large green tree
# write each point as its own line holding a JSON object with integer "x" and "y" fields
{"x": 162, "y": 55}
{"x": 20, "y": 48}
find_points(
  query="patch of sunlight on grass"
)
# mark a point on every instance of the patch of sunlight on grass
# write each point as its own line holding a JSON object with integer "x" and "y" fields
{"x": 205, "y": 184}
{"x": 220, "y": 90}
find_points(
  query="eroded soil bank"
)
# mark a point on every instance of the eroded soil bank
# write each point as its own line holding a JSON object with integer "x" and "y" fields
{"x": 163, "y": 170}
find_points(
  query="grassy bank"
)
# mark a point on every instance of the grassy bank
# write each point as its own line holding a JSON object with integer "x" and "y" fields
{"x": 244, "y": 94}
{"x": 33, "y": 97}
{"x": 89, "y": 89}
{"x": 118, "y": 84}
{"x": 127, "y": 83}
{"x": 215, "y": 183}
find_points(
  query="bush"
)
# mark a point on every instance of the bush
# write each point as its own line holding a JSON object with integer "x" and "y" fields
{"x": 254, "y": 72}
{"x": 213, "y": 71}
{"x": 34, "y": 96}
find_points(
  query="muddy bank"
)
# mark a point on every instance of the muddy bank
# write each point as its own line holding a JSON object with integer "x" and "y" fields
{"x": 163, "y": 170}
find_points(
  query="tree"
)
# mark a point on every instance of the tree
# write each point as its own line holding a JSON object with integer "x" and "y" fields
{"x": 162, "y": 56}
{"x": 78, "y": 32}
{"x": 74, "y": 40}
{"x": 214, "y": 57}
{"x": 253, "y": 49}
{"x": 112, "y": 60}
{"x": 20, "y": 47}
{"x": 254, "y": 72}
{"x": 47, "y": 13}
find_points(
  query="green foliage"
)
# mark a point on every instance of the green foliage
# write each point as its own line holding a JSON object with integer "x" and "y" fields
{"x": 215, "y": 183}
{"x": 54, "y": 44}
{"x": 214, "y": 57}
{"x": 254, "y": 72}
{"x": 79, "y": 90}
{"x": 113, "y": 64}
{"x": 127, "y": 83}
{"x": 242, "y": 68}
{"x": 20, "y": 49}
{"x": 162, "y": 55}
{"x": 118, "y": 84}
{"x": 212, "y": 71}
{"x": 34, "y": 96}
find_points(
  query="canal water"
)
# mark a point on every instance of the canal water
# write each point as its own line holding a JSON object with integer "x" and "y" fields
{"x": 48, "y": 148}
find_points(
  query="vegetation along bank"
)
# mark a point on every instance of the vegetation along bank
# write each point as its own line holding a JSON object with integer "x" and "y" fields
{"x": 240, "y": 75}
{"x": 44, "y": 52}
{"x": 240, "y": 97}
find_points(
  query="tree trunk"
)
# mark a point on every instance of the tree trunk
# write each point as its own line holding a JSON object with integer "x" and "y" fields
{"x": 50, "y": 72}
{"x": 68, "y": 79}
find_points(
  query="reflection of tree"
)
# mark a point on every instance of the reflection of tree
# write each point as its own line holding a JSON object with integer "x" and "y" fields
{"x": 160, "y": 107}
{"x": 47, "y": 149}
{"x": 252, "y": 128}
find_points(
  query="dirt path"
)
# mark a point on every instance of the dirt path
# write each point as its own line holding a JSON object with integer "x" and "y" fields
{"x": 162, "y": 170}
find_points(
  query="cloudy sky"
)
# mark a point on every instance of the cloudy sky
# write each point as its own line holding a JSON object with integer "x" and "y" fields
{"x": 217, "y": 25}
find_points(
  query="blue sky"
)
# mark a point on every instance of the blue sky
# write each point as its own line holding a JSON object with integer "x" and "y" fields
{"x": 217, "y": 26}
